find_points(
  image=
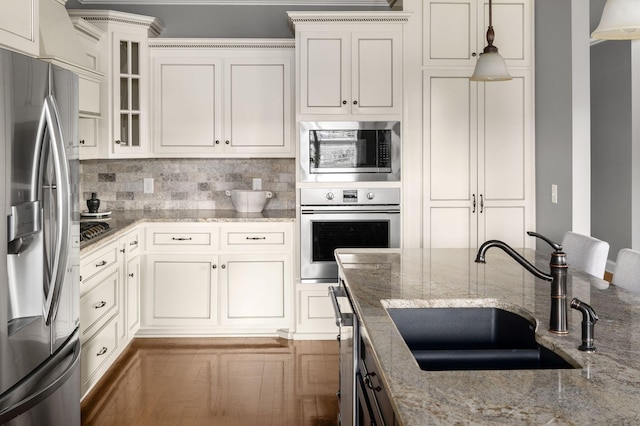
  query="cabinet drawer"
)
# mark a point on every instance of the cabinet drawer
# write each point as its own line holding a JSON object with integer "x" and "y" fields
{"x": 98, "y": 351}
{"x": 276, "y": 237}
{"x": 255, "y": 238}
{"x": 99, "y": 302}
{"x": 193, "y": 238}
{"x": 133, "y": 244}
{"x": 100, "y": 260}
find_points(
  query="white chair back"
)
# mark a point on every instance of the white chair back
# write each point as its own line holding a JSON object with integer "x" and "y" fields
{"x": 586, "y": 253}
{"x": 627, "y": 271}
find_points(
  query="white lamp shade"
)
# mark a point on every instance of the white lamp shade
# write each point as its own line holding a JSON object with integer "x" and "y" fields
{"x": 491, "y": 67}
{"x": 620, "y": 21}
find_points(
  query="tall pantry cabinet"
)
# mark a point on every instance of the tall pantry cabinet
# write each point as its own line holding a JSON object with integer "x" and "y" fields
{"x": 478, "y": 138}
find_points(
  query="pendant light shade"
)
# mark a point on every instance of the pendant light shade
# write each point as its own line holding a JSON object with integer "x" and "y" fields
{"x": 490, "y": 66}
{"x": 620, "y": 21}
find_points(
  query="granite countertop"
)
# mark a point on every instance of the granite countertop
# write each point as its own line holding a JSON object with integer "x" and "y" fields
{"x": 606, "y": 390}
{"x": 124, "y": 220}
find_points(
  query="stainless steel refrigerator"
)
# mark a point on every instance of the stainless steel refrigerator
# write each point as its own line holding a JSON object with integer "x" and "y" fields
{"x": 39, "y": 254}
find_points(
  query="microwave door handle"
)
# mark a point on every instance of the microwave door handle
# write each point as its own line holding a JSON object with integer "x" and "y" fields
{"x": 62, "y": 208}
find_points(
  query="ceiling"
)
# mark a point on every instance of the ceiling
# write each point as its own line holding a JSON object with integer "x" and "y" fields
{"x": 364, "y": 3}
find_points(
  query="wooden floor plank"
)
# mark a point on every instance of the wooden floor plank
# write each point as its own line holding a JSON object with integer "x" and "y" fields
{"x": 218, "y": 381}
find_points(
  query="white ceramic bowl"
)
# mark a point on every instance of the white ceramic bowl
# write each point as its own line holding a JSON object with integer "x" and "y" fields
{"x": 248, "y": 201}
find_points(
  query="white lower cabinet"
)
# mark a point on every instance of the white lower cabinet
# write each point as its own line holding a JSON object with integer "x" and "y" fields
{"x": 218, "y": 279}
{"x": 100, "y": 293}
{"x": 315, "y": 317}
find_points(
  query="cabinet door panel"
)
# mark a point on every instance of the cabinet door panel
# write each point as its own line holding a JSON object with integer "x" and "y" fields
{"x": 182, "y": 289}
{"x": 504, "y": 135}
{"x": 509, "y": 23}
{"x": 187, "y": 107}
{"x": 323, "y": 66}
{"x": 449, "y": 31}
{"x": 450, "y": 131}
{"x": 504, "y": 223}
{"x": 373, "y": 73}
{"x": 257, "y": 104}
{"x": 452, "y": 227}
{"x": 255, "y": 289}
{"x": 19, "y": 25}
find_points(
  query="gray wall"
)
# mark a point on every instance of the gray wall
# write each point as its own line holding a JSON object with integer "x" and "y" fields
{"x": 611, "y": 138}
{"x": 553, "y": 116}
{"x": 217, "y": 21}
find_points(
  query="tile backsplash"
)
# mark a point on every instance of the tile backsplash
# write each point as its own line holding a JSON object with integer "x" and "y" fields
{"x": 184, "y": 183}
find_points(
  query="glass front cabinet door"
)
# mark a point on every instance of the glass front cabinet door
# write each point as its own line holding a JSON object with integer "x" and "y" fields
{"x": 129, "y": 114}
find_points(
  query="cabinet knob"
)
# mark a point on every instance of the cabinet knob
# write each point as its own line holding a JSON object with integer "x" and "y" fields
{"x": 131, "y": 275}
{"x": 355, "y": 102}
{"x": 81, "y": 141}
{"x": 121, "y": 142}
{"x": 223, "y": 266}
{"x": 133, "y": 243}
{"x": 474, "y": 54}
{"x": 344, "y": 102}
{"x": 217, "y": 142}
{"x": 214, "y": 266}
{"x": 122, "y": 250}
{"x": 227, "y": 142}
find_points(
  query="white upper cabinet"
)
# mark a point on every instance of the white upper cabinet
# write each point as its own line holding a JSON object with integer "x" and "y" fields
{"x": 19, "y": 25}
{"x": 222, "y": 98}
{"x": 124, "y": 96}
{"x": 349, "y": 63}
{"x": 455, "y": 31}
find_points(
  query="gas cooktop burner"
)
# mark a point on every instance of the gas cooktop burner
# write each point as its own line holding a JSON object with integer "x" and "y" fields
{"x": 90, "y": 230}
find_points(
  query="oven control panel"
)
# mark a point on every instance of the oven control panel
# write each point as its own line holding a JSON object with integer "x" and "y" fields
{"x": 350, "y": 196}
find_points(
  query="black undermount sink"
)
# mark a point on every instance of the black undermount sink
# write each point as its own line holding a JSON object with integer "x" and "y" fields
{"x": 473, "y": 339}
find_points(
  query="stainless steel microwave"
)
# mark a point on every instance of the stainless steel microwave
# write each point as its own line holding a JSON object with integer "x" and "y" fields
{"x": 341, "y": 151}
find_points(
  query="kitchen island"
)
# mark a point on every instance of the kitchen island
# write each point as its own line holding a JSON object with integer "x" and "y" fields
{"x": 605, "y": 389}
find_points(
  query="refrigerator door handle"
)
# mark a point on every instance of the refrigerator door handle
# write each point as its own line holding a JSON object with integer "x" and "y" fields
{"x": 41, "y": 382}
{"x": 50, "y": 124}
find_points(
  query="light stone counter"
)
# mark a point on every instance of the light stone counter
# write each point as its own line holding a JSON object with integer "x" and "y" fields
{"x": 605, "y": 390}
{"x": 123, "y": 221}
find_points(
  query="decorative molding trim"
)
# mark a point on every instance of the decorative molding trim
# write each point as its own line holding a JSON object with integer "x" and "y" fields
{"x": 364, "y": 3}
{"x": 192, "y": 43}
{"x": 347, "y": 17}
{"x": 154, "y": 25}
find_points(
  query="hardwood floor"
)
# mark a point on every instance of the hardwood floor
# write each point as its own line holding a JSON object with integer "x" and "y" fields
{"x": 218, "y": 381}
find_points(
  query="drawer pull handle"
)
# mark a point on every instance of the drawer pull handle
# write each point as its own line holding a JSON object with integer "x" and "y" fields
{"x": 104, "y": 262}
{"x": 102, "y": 351}
{"x": 369, "y": 382}
{"x": 181, "y": 238}
{"x": 100, "y": 304}
{"x": 131, "y": 275}
{"x": 256, "y": 238}
{"x": 122, "y": 250}
{"x": 133, "y": 243}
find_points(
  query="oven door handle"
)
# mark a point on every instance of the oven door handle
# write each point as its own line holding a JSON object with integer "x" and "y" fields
{"x": 342, "y": 319}
{"x": 349, "y": 210}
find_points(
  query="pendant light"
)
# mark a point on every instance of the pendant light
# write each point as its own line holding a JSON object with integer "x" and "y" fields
{"x": 620, "y": 21}
{"x": 490, "y": 65}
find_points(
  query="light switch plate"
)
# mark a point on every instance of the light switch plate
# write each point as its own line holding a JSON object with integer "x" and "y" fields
{"x": 257, "y": 184}
{"x": 554, "y": 193}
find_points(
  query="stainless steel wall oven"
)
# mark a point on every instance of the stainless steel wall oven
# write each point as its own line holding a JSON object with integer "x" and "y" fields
{"x": 344, "y": 218}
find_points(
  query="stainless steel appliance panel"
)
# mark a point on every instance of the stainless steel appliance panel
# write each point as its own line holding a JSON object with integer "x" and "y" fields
{"x": 39, "y": 342}
{"x": 344, "y": 218}
{"x": 339, "y": 151}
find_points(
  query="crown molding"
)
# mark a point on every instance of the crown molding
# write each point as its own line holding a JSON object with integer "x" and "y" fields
{"x": 200, "y": 43}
